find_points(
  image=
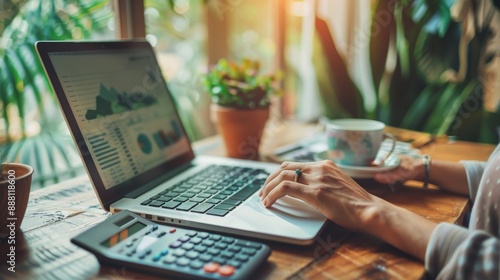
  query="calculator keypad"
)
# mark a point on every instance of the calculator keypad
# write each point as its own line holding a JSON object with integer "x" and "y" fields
{"x": 201, "y": 251}
{"x": 131, "y": 241}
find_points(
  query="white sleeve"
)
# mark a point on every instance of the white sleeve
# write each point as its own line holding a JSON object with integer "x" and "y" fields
{"x": 474, "y": 171}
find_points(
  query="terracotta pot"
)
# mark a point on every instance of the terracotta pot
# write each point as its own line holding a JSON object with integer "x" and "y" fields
{"x": 241, "y": 130}
{"x": 14, "y": 196}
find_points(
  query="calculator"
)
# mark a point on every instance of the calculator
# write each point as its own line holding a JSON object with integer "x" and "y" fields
{"x": 128, "y": 240}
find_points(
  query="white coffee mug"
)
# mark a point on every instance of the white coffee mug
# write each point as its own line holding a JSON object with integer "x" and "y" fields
{"x": 356, "y": 142}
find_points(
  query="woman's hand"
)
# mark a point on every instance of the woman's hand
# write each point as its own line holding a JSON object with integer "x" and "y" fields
{"x": 446, "y": 175}
{"x": 325, "y": 187}
{"x": 410, "y": 168}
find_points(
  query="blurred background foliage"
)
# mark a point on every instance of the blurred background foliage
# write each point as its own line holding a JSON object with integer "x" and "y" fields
{"x": 429, "y": 68}
{"x": 177, "y": 31}
{"x": 33, "y": 130}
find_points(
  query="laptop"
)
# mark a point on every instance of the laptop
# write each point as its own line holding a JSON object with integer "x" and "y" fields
{"x": 138, "y": 157}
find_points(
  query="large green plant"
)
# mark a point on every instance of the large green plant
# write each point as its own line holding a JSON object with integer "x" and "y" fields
{"x": 35, "y": 133}
{"x": 436, "y": 73}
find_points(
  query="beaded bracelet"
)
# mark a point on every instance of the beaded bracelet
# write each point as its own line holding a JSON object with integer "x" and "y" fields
{"x": 427, "y": 169}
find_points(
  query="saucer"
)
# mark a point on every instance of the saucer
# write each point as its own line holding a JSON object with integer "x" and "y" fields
{"x": 363, "y": 172}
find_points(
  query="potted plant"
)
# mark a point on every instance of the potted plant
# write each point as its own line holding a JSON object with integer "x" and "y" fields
{"x": 240, "y": 104}
{"x": 15, "y": 185}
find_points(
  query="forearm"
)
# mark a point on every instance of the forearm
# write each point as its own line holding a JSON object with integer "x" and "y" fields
{"x": 449, "y": 176}
{"x": 399, "y": 227}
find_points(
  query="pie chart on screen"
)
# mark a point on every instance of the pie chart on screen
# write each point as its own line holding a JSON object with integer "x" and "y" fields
{"x": 144, "y": 144}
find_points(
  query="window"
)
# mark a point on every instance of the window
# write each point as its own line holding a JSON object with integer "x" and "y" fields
{"x": 32, "y": 129}
{"x": 177, "y": 30}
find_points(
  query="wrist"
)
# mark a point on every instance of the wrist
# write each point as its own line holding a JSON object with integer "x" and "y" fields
{"x": 399, "y": 227}
{"x": 422, "y": 168}
{"x": 426, "y": 159}
{"x": 380, "y": 218}
{"x": 374, "y": 217}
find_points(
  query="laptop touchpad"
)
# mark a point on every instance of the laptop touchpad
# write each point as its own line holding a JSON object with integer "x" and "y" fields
{"x": 296, "y": 207}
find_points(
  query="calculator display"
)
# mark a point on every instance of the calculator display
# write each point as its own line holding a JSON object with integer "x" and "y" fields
{"x": 123, "y": 234}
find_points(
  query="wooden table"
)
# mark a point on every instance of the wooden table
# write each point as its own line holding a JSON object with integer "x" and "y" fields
{"x": 57, "y": 213}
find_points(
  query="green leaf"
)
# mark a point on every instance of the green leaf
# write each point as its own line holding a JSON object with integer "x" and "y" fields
{"x": 401, "y": 93}
{"x": 382, "y": 29}
{"x": 345, "y": 98}
{"x": 490, "y": 128}
{"x": 421, "y": 108}
{"x": 4, "y": 88}
{"x": 457, "y": 103}
{"x": 444, "y": 18}
{"x": 437, "y": 116}
{"x": 402, "y": 42}
{"x": 14, "y": 149}
{"x": 52, "y": 158}
{"x": 15, "y": 73}
{"x": 61, "y": 148}
{"x": 23, "y": 80}
{"x": 436, "y": 54}
{"x": 27, "y": 61}
{"x": 49, "y": 154}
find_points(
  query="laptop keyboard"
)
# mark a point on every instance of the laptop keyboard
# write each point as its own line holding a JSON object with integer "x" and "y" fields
{"x": 216, "y": 190}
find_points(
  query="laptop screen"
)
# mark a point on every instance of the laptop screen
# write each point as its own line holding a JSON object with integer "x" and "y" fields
{"x": 121, "y": 107}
